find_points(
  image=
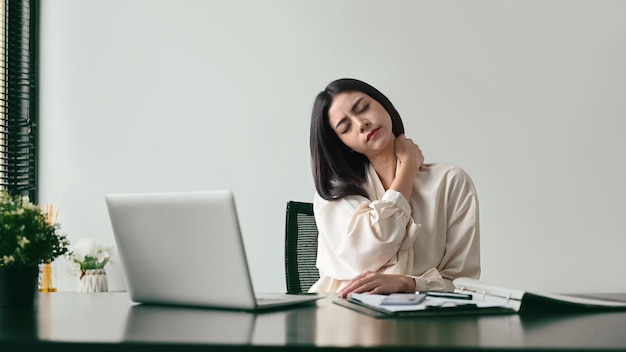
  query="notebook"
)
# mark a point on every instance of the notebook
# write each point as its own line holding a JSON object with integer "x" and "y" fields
{"x": 186, "y": 248}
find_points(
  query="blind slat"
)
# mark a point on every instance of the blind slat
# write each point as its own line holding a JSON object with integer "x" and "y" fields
{"x": 18, "y": 97}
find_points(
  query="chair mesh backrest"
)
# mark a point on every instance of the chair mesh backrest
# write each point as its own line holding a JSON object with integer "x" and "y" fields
{"x": 300, "y": 247}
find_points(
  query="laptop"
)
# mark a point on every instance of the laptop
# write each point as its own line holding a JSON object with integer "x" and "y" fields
{"x": 185, "y": 248}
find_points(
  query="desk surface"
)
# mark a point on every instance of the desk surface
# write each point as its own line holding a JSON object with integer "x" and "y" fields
{"x": 67, "y": 321}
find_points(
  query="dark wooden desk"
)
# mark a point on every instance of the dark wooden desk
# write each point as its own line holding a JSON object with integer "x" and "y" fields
{"x": 68, "y": 321}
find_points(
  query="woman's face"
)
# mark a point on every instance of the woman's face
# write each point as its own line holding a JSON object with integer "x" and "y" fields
{"x": 361, "y": 123}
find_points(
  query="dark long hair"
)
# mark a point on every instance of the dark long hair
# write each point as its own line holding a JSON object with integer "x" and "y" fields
{"x": 337, "y": 170}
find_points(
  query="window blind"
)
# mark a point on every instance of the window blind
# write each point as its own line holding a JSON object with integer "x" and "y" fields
{"x": 18, "y": 97}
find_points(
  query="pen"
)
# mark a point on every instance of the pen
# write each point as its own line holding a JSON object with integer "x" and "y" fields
{"x": 452, "y": 295}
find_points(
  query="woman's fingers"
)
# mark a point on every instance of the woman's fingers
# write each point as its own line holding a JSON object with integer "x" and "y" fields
{"x": 375, "y": 283}
{"x": 407, "y": 149}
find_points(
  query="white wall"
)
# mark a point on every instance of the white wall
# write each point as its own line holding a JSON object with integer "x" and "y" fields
{"x": 168, "y": 95}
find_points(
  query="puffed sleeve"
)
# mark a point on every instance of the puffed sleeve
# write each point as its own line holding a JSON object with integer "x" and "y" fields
{"x": 462, "y": 239}
{"x": 356, "y": 234}
{"x": 462, "y": 258}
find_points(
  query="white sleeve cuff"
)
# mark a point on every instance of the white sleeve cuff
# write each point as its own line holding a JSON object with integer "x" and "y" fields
{"x": 397, "y": 198}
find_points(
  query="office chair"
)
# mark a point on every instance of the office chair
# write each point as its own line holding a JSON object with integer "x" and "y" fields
{"x": 300, "y": 247}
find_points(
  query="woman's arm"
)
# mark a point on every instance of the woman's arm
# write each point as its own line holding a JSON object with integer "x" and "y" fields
{"x": 411, "y": 159}
{"x": 462, "y": 248}
{"x": 358, "y": 235}
{"x": 462, "y": 255}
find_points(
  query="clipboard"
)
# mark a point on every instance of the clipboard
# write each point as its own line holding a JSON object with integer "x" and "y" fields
{"x": 373, "y": 305}
{"x": 485, "y": 299}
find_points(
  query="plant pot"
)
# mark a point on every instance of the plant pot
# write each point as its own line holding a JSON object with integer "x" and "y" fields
{"x": 18, "y": 286}
{"x": 93, "y": 280}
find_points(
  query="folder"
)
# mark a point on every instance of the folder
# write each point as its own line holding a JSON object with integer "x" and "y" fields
{"x": 524, "y": 302}
{"x": 485, "y": 299}
{"x": 374, "y": 305}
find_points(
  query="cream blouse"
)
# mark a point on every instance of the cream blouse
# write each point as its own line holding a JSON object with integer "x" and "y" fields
{"x": 434, "y": 237}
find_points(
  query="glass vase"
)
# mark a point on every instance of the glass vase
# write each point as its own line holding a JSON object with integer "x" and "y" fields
{"x": 46, "y": 278}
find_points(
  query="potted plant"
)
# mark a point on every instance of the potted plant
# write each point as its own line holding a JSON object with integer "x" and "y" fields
{"x": 90, "y": 257}
{"x": 28, "y": 238}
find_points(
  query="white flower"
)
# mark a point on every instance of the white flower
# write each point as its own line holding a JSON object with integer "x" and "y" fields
{"x": 89, "y": 247}
{"x": 90, "y": 254}
{"x": 23, "y": 241}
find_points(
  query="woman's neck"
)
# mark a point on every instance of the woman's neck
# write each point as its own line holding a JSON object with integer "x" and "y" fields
{"x": 385, "y": 167}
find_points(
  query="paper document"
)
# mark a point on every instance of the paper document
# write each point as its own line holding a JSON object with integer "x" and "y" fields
{"x": 427, "y": 304}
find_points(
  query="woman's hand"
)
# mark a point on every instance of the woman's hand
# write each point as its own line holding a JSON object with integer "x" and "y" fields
{"x": 377, "y": 283}
{"x": 408, "y": 152}
{"x": 411, "y": 159}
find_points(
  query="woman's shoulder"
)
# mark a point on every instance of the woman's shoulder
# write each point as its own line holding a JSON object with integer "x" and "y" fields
{"x": 348, "y": 202}
{"x": 320, "y": 203}
{"x": 451, "y": 174}
{"x": 444, "y": 168}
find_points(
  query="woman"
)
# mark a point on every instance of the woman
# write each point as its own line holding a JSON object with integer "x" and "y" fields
{"x": 387, "y": 222}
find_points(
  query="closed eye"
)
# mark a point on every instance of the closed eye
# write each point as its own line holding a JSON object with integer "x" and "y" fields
{"x": 343, "y": 125}
{"x": 347, "y": 129}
